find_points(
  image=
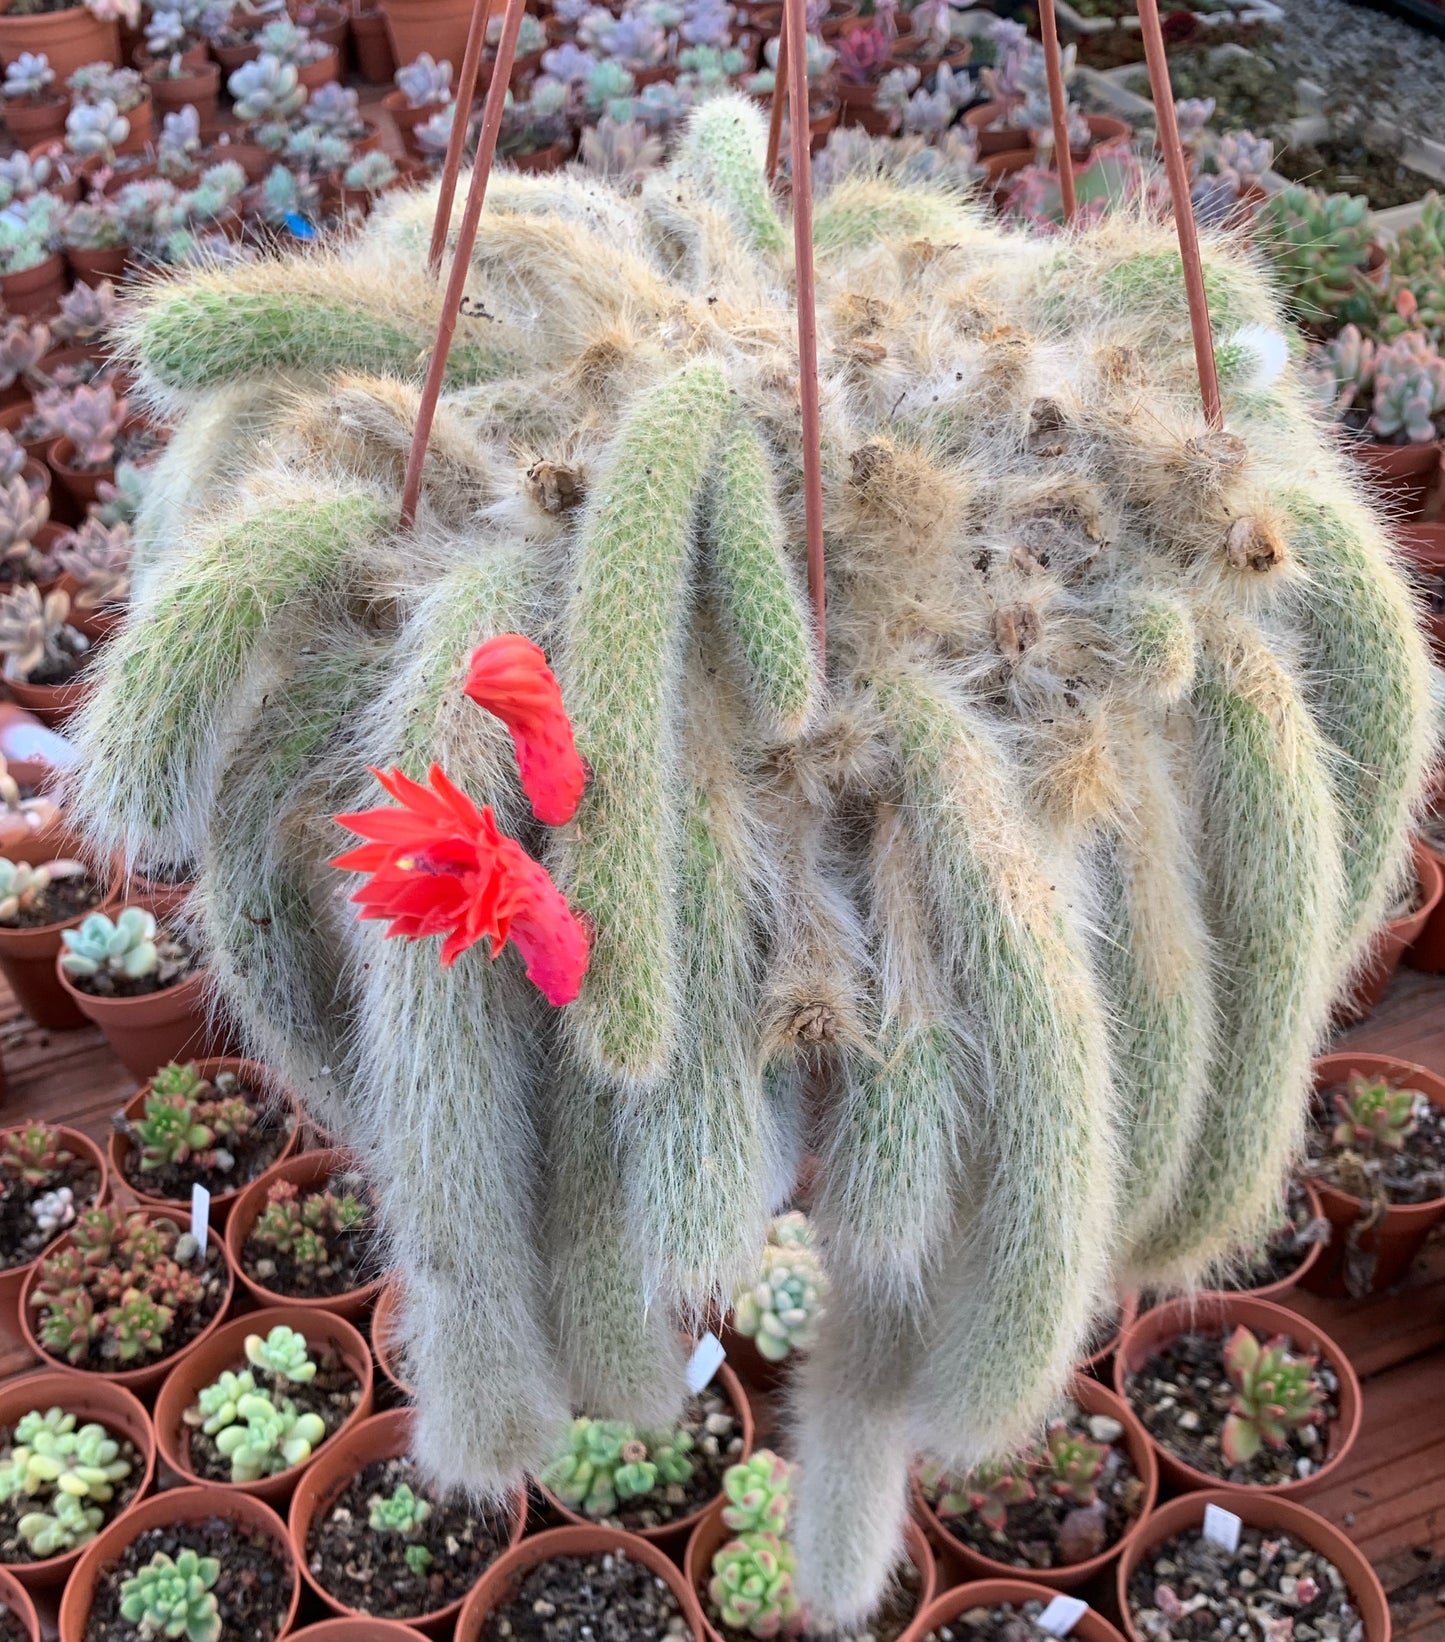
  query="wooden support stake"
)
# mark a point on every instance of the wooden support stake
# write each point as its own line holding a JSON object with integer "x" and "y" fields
{"x": 466, "y": 91}
{"x": 1058, "y": 107}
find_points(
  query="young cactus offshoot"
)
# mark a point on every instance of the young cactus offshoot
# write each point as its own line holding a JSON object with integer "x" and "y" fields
{"x": 1275, "y": 1393}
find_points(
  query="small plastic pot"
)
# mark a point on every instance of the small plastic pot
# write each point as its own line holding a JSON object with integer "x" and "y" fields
{"x": 371, "y": 46}
{"x": 35, "y": 846}
{"x": 355, "y": 1630}
{"x": 1274, "y": 1291}
{"x": 70, "y": 38}
{"x": 382, "y": 1437}
{"x": 1401, "y": 475}
{"x": 28, "y": 958}
{"x": 151, "y": 1031}
{"x": 252, "y": 1076}
{"x": 437, "y": 26}
{"x": 1401, "y": 1232}
{"x": 497, "y": 1585}
{"x": 712, "y": 1533}
{"x": 90, "y": 1399}
{"x": 176, "y": 1506}
{"x": 12, "y": 1279}
{"x": 384, "y": 1324}
{"x": 672, "y": 1536}
{"x": 141, "y": 1380}
{"x": 52, "y": 704}
{"x": 15, "y": 1597}
{"x": 993, "y": 1593}
{"x": 1220, "y": 1314}
{"x": 307, "y": 1172}
{"x": 1397, "y": 935}
{"x": 1258, "y": 1509}
{"x": 1423, "y": 547}
{"x": 1092, "y": 1398}
{"x": 1000, "y": 139}
{"x": 226, "y": 1349}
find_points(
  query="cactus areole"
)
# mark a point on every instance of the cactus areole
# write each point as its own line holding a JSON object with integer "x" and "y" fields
{"x": 1050, "y": 878}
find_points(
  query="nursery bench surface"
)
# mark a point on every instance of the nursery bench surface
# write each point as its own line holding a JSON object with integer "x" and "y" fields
{"x": 1390, "y": 1495}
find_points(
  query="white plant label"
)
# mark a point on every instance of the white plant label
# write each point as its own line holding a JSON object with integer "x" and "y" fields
{"x": 200, "y": 1217}
{"x": 1221, "y": 1527}
{"x": 1061, "y": 1615}
{"x": 706, "y": 1360}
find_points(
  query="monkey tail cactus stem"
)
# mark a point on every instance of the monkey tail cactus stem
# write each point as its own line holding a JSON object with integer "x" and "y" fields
{"x": 626, "y": 629}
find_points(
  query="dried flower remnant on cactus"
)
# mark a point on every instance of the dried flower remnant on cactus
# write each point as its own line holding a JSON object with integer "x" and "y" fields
{"x": 1275, "y": 1393}
{"x": 440, "y": 866}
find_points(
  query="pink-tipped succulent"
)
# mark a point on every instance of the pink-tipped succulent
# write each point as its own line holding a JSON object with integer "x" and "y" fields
{"x": 1072, "y": 1464}
{"x": 863, "y": 55}
{"x": 91, "y": 419}
{"x": 1275, "y": 1393}
{"x": 1374, "y": 1116}
{"x": 988, "y": 1491}
{"x": 34, "y": 1154}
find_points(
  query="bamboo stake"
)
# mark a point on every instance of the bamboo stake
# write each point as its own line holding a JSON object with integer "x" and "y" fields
{"x": 1058, "y": 107}
{"x": 466, "y": 90}
{"x": 780, "y": 92}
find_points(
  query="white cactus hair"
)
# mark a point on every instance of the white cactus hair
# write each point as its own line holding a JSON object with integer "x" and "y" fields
{"x": 1049, "y": 884}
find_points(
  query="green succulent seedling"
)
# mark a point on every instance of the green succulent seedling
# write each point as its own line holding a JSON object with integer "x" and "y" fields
{"x": 986, "y": 1492}
{"x": 282, "y": 1354}
{"x": 1275, "y": 1393}
{"x": 70, "y": 1471}
{"x": 268, "y": 1439}
{"x": 174, "y": 1598}
{"x": 218, "y": 1404}
{"x": 1071, "y": 1464}
{"x": 779, "y": 1310}
{"x": 758, "y": 1493}
{"x": 752, "y": 1586}
{"x": 67, "y": 1524}
{"x": 125, "y": 947}
{"x": 401, "y": 1512}
{"x": 1374, "y": 1116}
{"x": 608, "y": 1461}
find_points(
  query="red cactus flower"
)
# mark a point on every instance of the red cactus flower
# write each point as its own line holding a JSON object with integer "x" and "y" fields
{"x": 509, "y": 676}
{"x": 441, "y": 866}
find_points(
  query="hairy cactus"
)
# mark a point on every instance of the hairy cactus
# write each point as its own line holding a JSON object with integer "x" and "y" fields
{"x": 1043, "y": 890}
{"x": 1275, "y": 1393}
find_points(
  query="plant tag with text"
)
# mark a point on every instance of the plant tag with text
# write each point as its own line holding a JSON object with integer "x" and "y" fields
{"x": 200, "y": 1217}
{"x": 706, "y": 1360}
{"x": 1061, "y": 1615}
{"x": 1221, "y": 1527}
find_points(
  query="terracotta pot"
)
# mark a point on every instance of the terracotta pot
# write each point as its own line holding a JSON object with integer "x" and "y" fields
{"x": 83, "y": 484}
{"x": 437, "y": 26}
{"x": 999, "y": 168}
{"x": 163, "y": 897}
{"x": 672, "y": 1536}
{"x": 142, "y": 1380}
{"x": 142, "y": 127}
{"x": 321, "y": 72}
{"x": 27, "y": 956}
{"x": 89, "y": 1398}
{"x": 1427, "y": 952}
{"x": 551, "y": 158}
{"x": 200, "y": 87}
{"x": 497, "y": 1585}
{"x": 1400, "y": 933}
{"x": 12, "y": 1279}
{"x": 35, "y": 292}
{"x": 1092, "y": 1398}
{"x": 14, "y": 417}
{"x": 371, "y": 45}
{"x": 1424, "y": 549}
{"x": 70, "y": 39}
{"x": 306, "y": 1172}
{"x": 152, "y": 1031}
{"x": 251, "y": 157}
{"x": 384, "y": 1323}
{"x": 30, "y": 122}
{"x": 47, "y": 843}
{"x": 1005, "y": 138}
{"x": 1403, "y": 475}
{"x": 355, "y": 1630}
{"x": 15, "y": 1597}
{"x": 382, "y": 1437}
{"x": 1106, "y": 131}
{"x": 1313, "y": 1256}
{"x": 1401, "y": 1233}
{"x": 233, "y": 57}
{"x": 1220, "y": 1313}
{"x": 406, "y": 119}
{"x": 323, "y": 22}
{"x": 1267, "y": 1511}
{"x": 178, "y": 1505}
{"x": 91, "y": 267}
{"x": 860, "y": 109}
{"x": 989, "y": 1593}
{"x": 254, "y": 1076}
{"x": 1097, "y": 1362}
{"x": 712, "y": 1533}
{"x": 226, "y": 1349}
{"x": 52, "y": 704}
